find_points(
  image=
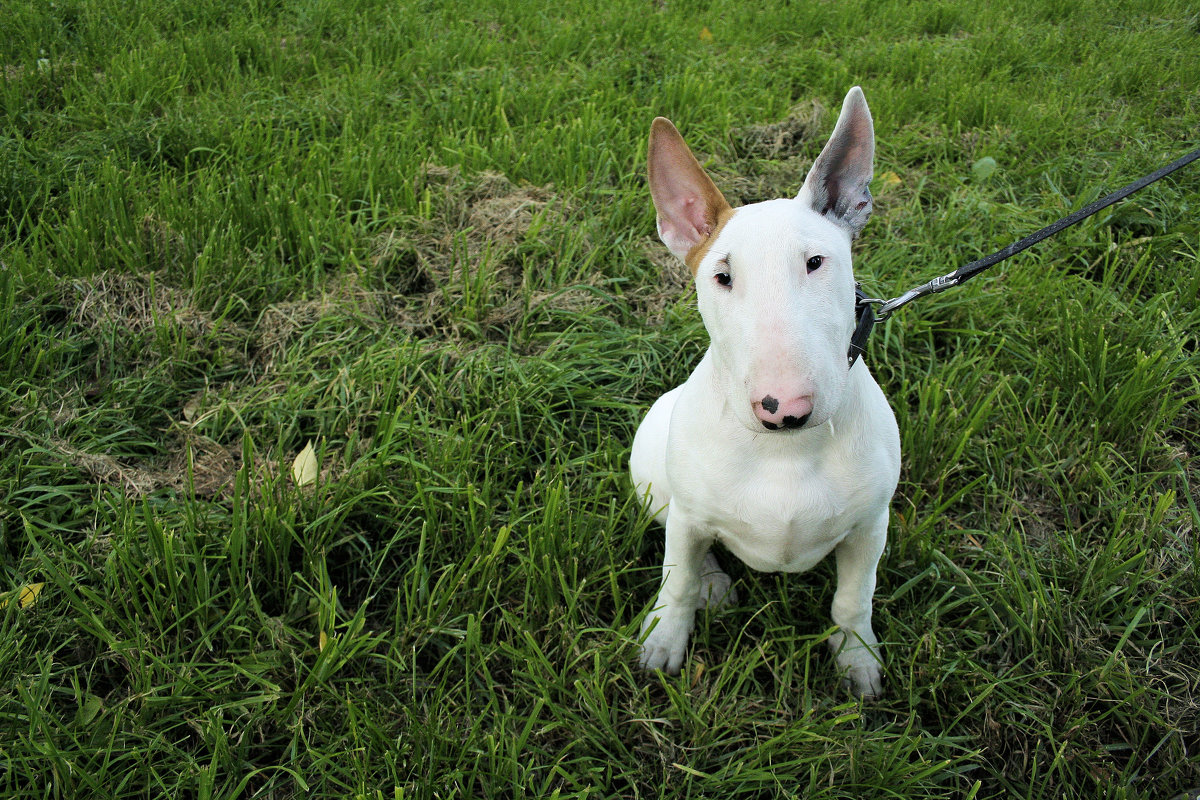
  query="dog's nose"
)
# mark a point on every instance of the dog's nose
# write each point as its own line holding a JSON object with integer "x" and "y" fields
{"x": 775, "y": 414}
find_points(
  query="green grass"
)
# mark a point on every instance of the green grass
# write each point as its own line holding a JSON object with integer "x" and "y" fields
{"x": 417, "y": 234}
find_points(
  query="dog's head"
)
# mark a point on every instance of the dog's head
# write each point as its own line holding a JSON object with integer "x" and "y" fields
{"x": 773, "y": 280}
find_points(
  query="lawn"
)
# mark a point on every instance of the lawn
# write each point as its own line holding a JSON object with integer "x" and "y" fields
{"x": 417, "y": 235}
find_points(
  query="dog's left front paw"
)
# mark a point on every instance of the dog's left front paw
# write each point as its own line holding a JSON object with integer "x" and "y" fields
{"x": 665, "y": 644}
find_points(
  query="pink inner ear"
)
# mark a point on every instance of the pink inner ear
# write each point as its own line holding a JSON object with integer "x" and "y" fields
{"x": 684, "y": 219}
{"x": 678, "y": 187}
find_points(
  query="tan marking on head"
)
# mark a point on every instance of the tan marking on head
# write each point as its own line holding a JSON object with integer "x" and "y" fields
{"x": 697, "y": 253}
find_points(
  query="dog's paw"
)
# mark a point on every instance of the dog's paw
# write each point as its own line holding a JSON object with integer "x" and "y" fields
{"x": 860, "y": 666}
{"x": 865, "y": 682}
{"x": 716, "y": 588}
{"x": 664, "y": 640}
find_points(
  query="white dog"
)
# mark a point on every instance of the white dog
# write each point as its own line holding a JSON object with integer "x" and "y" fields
{"x": 774, "y": 446}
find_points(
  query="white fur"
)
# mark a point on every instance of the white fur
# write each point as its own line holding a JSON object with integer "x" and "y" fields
{"x": 709, "y": 470}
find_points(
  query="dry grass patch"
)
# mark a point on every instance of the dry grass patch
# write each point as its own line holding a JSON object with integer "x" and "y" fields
{"x": 140, "y": 321}
{"x": 472, "y": 266}
{"x": 343, "y": 300}
{"x": 192, "y": 464}
{"x": 783, "y": 139}
{"x": 131, "y": 303}
{"x": 488, "y": 207}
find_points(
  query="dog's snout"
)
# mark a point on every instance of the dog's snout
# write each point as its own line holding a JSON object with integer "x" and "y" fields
{"x": 774, "y": 413}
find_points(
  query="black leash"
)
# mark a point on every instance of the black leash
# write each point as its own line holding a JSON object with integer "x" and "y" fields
{"x": 867, "y": 315}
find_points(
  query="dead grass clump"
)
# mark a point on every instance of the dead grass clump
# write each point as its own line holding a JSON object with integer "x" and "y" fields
{"x": 771, "y": 160}
{"x": 195, "y": 463}
{"x": 463, "y": 269}
{"x": 204, "y": 466}
{"x": 456, "y": 272}
{"x": 488, "y": 208}
{"x": 752, "y": 182}
{"x": 343, "y": 307}
{"x": 139, "y": 320}
{"x": 780, "y": 139}
{"x": 406, "y": 262}
{"x": 507, "y": 217}
{"x": 344, "y": 299}
{"x": 1039, "y": 517}
{"x": 131, "y": 303}
{"x": 43, "y": 66}
{"x": 280, "y": 322}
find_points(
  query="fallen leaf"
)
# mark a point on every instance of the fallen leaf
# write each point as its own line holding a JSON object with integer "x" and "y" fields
{"x": 706, "y": 34}
{"x": 26, "y": 595}
{"x": 322, "y": 640}
{"x": 889, "y": 180}
{"x": 92, "y": 705}
{"x": 984, "y": 168}
{"x": 191, "y": 407}
{"x": 305, "y": 467}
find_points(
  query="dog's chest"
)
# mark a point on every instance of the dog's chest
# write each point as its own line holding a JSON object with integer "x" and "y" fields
{"x": 778, "y": 514}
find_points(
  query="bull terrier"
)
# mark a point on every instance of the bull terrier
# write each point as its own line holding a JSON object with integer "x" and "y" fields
{"x": 778, "y": 445}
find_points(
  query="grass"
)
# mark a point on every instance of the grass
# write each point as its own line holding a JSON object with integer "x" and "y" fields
{"x": 418, "y": 235}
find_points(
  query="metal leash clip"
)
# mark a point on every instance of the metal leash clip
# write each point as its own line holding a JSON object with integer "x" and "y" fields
{"x": 938, "y": 284}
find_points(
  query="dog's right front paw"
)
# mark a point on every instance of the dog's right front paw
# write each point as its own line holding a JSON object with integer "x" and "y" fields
{"x": 665, "y": 645}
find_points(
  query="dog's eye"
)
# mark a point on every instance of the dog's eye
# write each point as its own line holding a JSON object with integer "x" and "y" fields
{"x": 815, "y": 263}
{"x": 724, "y": 279}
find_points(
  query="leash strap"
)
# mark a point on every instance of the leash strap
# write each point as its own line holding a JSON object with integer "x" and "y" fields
{"x": 867, "y": 316}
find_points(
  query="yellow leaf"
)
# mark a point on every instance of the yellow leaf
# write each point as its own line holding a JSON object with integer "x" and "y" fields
{"x": 305, "y": 467}
{"x": 889, "y": 180}
{"x": 26, "y": 595}
{"x": 322, "y": 641}
{"x": 706, "y": 34}
{"x": 29, "y": 594}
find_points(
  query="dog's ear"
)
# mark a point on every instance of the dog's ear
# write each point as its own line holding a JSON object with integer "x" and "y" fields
{"x": 689, "y": 205}
{"x": 837, "y": 186}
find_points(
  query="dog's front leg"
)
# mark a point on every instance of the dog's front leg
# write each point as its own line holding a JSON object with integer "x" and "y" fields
{"x": 855, "y": 645}
{"x": 667, "y": 627}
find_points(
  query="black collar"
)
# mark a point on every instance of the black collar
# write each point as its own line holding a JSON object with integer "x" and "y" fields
{"x": 865, "y": 316}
